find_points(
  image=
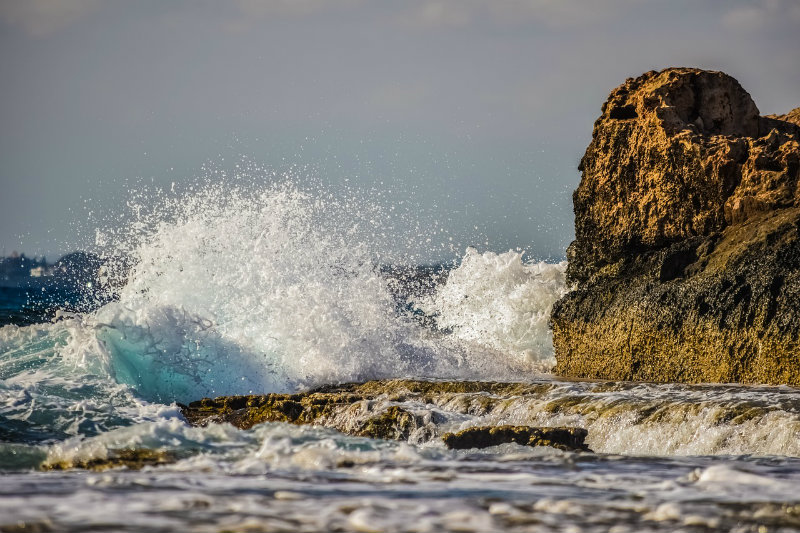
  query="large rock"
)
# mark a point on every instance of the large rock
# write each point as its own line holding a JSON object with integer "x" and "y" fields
{"x": 686, "y": 260}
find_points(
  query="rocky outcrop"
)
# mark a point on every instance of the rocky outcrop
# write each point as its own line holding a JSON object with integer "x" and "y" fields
{"x": 686, "y": 259}
{"x": 567, "y": 439}
{"x": 346, "y": 411}
{"x": 370, "y": 410}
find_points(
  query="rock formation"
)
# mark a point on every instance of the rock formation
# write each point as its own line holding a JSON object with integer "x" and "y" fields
{"x": 369, "y": 410}
{"x": 686, "y": 259}
{"x": 342, "y": 409}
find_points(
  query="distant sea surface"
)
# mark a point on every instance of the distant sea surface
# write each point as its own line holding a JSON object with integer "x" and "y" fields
{"x": 34, "y": 300}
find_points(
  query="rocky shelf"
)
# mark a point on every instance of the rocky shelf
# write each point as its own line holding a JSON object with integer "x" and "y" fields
{"x": 415, "y": 411}
{"x": 369, "y": 410}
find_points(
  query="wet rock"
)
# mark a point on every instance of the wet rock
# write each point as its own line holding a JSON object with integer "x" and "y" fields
{"x": 245, "y": 412}
{"x": 568, "y": 439}
{"x": 394, "y": 423}
{"x": 686, "y": 261}
{"x": 324, "y": 404}
{"x": 35, "y": 526}
{"x": 346, "y": 408}
{"x": 134, "y": 459}
{"x": 369, "y": 410}
{"x": 364, "y": 409}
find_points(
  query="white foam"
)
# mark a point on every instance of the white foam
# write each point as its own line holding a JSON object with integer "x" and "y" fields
{"x": 244, "y": 291}
{"x": 499, "y": 302}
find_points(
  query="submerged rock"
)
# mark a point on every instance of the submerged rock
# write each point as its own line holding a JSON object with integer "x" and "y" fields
{"x": 134, "y": 459}
{"x": 686, "y": 261}
{"x": 568, "y": 439}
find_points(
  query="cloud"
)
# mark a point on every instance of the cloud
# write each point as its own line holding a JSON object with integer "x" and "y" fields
{"x": 555, "y": 13}
{"x": 264, "y": 8}
{"x": 443, "y": 13}
{"x": 41, "y": 17}
{"x": 759, "y": 15}
{"x": 249, "y": 12}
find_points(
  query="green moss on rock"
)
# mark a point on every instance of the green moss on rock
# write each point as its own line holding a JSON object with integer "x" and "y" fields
{"x": 394, "y": 386}
{"x": 394, "y": 423}
{"x": 245, "y": 412}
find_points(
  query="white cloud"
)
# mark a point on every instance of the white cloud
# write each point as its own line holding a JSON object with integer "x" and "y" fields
{"x": 265, "y": 8}
{"x": 250, "y": 12}
{"x": 40, "y": 17}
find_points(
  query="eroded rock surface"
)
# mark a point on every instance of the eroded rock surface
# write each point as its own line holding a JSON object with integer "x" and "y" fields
{"x": 686, "y": 260}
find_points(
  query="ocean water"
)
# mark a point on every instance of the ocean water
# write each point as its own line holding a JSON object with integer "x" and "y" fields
{"x": 279, "y": 288}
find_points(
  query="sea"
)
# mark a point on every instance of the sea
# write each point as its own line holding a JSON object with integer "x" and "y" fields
{"x": 253, "y": 288}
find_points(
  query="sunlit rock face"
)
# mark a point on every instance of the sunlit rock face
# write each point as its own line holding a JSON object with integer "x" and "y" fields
{"x": 686, "y": 261}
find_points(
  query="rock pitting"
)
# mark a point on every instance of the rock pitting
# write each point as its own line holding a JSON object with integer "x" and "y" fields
{"x": 686, "y": 261}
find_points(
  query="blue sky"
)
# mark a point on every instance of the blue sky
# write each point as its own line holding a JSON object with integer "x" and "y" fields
{"x": 479, "y": 110}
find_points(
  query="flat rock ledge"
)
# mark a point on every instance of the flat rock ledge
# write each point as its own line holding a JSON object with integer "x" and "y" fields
{"x": 686, "y": 259}
{"x": 348, "y": 412}
{"x": 567, "y": 439}
{"x": 369, "y": 410}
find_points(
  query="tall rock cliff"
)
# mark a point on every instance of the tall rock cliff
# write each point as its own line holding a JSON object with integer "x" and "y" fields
{"x": 686, "y": 261}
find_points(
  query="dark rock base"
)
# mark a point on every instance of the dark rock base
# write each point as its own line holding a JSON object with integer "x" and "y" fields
{"x": 718, "y": 309}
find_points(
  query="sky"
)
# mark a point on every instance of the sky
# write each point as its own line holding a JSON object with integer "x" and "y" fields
{"x": 477, "y": 110}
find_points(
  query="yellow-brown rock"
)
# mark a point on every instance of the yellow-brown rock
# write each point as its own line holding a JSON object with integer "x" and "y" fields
{"x": 686, "y": 259}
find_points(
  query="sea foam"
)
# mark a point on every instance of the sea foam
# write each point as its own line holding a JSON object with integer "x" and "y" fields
{"x": 500, "y": 302}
